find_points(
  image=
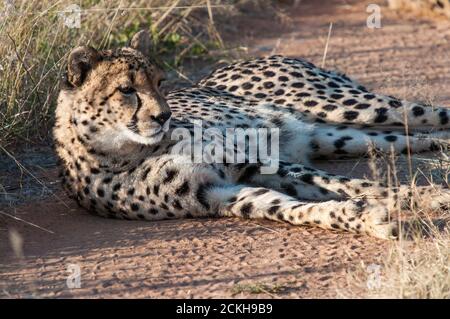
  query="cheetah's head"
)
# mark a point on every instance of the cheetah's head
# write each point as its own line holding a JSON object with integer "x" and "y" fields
{"x": 115, "y": 97}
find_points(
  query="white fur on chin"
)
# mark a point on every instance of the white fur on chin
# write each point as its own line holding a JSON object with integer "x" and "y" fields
{"x": 127, "y": 134}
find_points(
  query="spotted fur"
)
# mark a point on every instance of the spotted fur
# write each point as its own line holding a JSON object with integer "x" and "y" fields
{"x": 113, "y": 128}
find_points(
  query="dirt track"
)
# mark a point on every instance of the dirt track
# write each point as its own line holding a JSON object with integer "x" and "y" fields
{"x": 207, "y": 258}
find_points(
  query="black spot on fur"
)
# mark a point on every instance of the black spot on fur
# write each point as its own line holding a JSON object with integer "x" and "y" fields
{"x": 146, "y": 171}
{"x": 289, "y": 189}
{"x": 273, "y": 210}
{"x": 282, "y": 172}
{"x": 277, "y": 121}
{"x": 246, "y": 210}
{"x": 100, "y": 192}
{"x": 362, "y": 106}
{"x": 261, "y": 192}
{"x": 170, "y": 175}
{"x": 381, "y": 115}
{"x": 395, "y": 103}
{"x": 329, "y": 107}
{"x": 298, "y": 85}
{"x": 315, "y": 147}
{"x": 307, "y": 178}
{"x": 268, "y": 85}
{"x": 156, "y": 189}
{"x": 350, "y": 115}
{"x": 201, "y": 194}
{"x": 369, "y": 96}
{"x": 249, "y": 171}
{"x": 177, "y": 205}
{"x": 418, "y": 111}
{"x": 340, "y": 143}
{"x": 443, "y": 115}
{"x": 350, "y": 102}
{"x": 247, "y": 86}
{"x": 336, "y": 96}
{"x": 310, "y": 103}
{"x": 183, "y": 189}
{"x": 390, "y": 138}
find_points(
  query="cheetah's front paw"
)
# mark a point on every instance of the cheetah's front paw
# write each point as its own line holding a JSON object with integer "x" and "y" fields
{"x": 376, "y": 223}
{"x": 428, "y": 197}
{"x": 440, "y": 198}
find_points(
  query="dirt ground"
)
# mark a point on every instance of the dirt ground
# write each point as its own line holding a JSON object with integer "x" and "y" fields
{"x": 208, "y": 258}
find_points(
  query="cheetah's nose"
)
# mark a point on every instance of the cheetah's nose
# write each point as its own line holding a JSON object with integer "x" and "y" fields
{"x": 162, "y": 117}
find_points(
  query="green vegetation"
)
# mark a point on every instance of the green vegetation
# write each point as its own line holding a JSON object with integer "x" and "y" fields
{"x": 257, "y": 288}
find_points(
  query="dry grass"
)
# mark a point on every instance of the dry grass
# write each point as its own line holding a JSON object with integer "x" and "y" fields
{"x": 419, "y": 268}
{"x": 417, "y": 265}
{"x": 419, "y": 271}
{"x": 35, "y": 41}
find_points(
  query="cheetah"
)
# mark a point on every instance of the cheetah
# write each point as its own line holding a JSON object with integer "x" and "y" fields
{"x": 113, "y": 137}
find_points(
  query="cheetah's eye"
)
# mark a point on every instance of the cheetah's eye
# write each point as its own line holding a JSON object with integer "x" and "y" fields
{"x": 126, "y": 90}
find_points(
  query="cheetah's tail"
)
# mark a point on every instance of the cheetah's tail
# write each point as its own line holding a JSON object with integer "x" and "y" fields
{"x": 375, "y": 110}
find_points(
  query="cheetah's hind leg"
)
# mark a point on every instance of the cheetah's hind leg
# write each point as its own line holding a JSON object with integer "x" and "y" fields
{"x": 353, "y": 216}
{"x": 306, "y": 183}
{"x": 334, "y": 142}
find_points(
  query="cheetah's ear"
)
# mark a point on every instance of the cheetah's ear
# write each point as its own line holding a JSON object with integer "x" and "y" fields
{"x": 141, "y": 41}
{"x": 81, "y": 61}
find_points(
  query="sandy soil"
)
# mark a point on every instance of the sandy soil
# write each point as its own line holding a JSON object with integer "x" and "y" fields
{"x": 208, "y": 258}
